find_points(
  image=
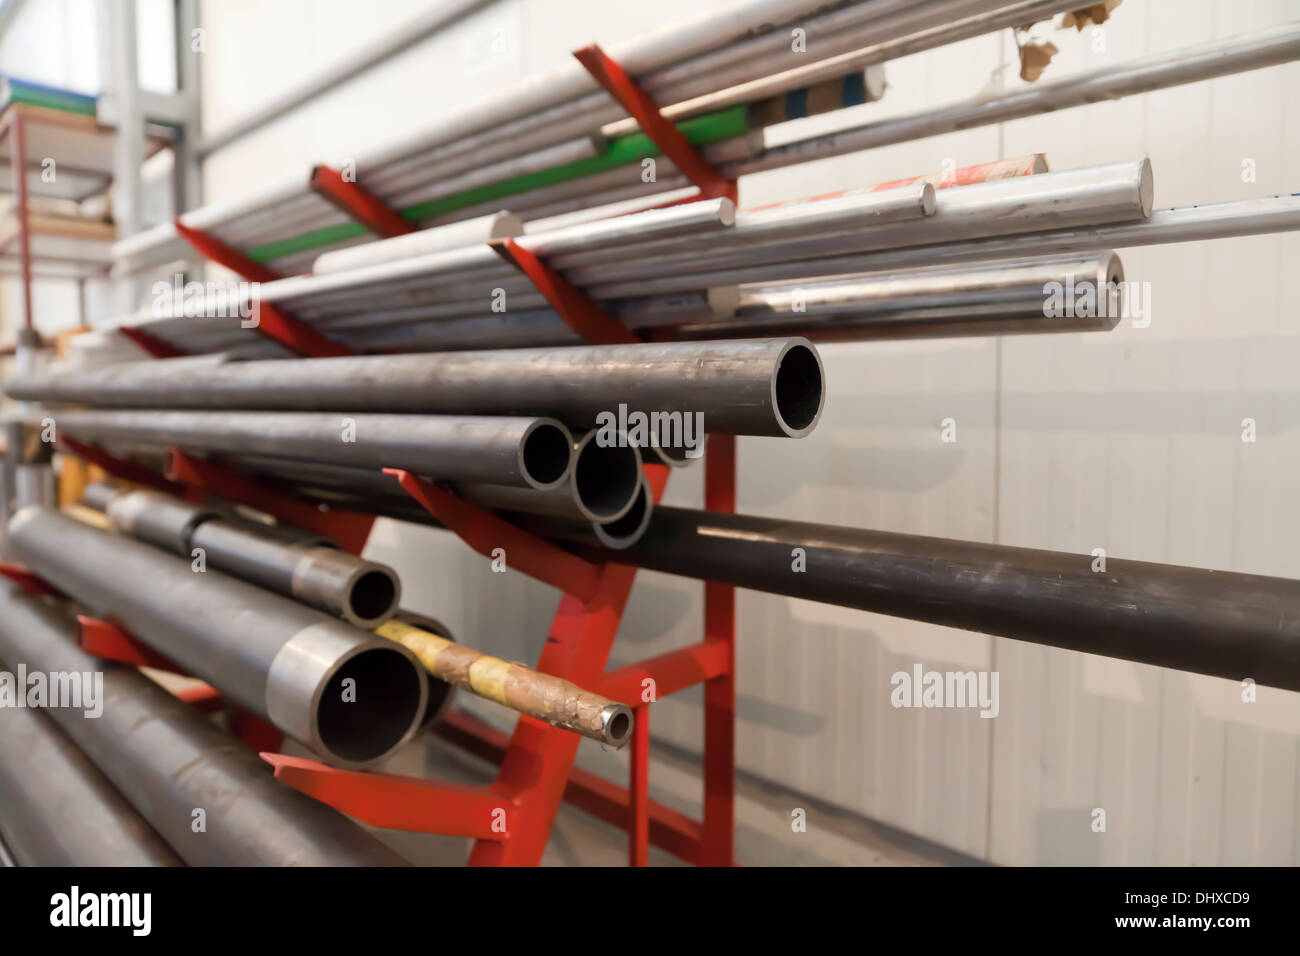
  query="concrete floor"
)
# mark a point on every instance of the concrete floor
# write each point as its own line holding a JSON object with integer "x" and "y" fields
{"x": 764, "y": 834}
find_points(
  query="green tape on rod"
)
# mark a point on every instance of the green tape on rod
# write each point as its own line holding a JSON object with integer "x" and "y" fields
{"x": 709, "y": 128}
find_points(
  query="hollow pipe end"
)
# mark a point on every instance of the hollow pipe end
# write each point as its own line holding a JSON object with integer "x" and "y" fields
{"x": 616, "y": 723}
{"x": 798, "y": 387}
{"x": 546, "y": 454}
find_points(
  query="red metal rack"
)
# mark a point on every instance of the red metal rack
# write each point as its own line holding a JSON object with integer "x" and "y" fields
{"x": 511, "y": 819}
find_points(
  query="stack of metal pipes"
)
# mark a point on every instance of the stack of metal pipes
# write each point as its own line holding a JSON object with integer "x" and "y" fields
{"x": 542, "y": 154}
{"x": 559, "y": 142}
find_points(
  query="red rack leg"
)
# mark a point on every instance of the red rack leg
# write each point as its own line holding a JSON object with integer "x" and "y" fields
{"x": 720, "y": 692}
{"x": 661, "y": 131}
{"x": 638, "y": 844}
{"x": 358, "y": 202}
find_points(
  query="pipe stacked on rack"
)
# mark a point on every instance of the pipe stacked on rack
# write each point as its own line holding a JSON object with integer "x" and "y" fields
{"x": 563, "y": 132}
{"x": 295, "y": 666}
{"x": 261, "y": 556}
{"x": 167, "y": 760}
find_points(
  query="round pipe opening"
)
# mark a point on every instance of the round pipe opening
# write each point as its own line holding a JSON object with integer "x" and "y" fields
{"x": 546, "y": 455}
{"x": 626, "y": 531}
{"x": 373, "y": 596}
{"x": 618, "y": 725}
{"x": 797, "y": 390}
{"x": 362, "y": 721}
{"x": 605, "y": 478}
{"x": 676, "y": 456}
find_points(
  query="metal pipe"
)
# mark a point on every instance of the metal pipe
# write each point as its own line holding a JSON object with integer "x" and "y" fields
{"x": 553, "y": 700}
{"x": 169, "y": 760}
{"x": 324, "y": 683}
{"x": 606, "y": 478}
{"x": 480, "y": 229}
{"x": 772, "y": 387}
{"x": 1249, "y": 217}
{"x": 1248, "y": 51}
{"x": 1053, "y": 294}
{"x": 1094, "y": 195}
{"x": 363, "y": 593}
{"x": 1208, "y": 622}
{"x": 57, "y": 809}
{"x": 528, "y": 452}
{"x": 621, "y": 533}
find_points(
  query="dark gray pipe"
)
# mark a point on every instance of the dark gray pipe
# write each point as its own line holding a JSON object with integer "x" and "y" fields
{"x": 56, "y": 808}
{"x": 761, "y": 387}
{"x": 270, "y": 655}
{"x": 169, "y": 760}
{"x": 1208, "y": 622}
{"x": 363, "y": 593}
{"x": 525, "y": 452}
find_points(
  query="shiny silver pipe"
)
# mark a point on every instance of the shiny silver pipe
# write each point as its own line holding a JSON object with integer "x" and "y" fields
{"x": 1072, "y": 294}
{"x": 169, "y": 760}
{"x": 527, "y": 452}
{"x": 57, "y": 808}
{"x": 363, "y": 593}
{"x": 1095, "y": 195}
{"x": 772, "y": 387}
{"x": 606, "y": 478}
{"x": 1248, "y": 51}
{"x": 348, "y": 697}
{"x": 495, "y": 225}
{"x": 1248, "y": 217}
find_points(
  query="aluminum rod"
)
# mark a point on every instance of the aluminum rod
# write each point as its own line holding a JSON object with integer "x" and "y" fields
{"x": 772, "y": 387}
{"x": 1220, "y": 623}
{"x": 438, "y": 239}
{"x": 169, "y": 760}
{"x": 328, "y": 685}
{"x": 57, "y": 808}
{"x": 1248, "y": 51}
{"x": 527, "y": 452}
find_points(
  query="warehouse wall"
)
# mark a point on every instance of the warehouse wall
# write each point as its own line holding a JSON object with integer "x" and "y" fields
{"x": 1130, "y": 441}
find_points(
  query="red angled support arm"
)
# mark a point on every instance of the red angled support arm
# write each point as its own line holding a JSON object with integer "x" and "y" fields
{"x": 118, "y": 468}
{"x": 400, "y": 803}
{"x": 484, "y": 532}
{"x": 155, "y": 347}
{"x": 214, "y": 250}
{"x": 579, "y": 312}
{"x": 102, "y": 639}
{"x": 33, "y": 585}
{"x": 358, "y": 202}
{"x": 349, "y": 528}
{"x": 661, "y": 131}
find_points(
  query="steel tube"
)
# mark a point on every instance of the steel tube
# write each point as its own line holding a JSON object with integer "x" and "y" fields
{"x": 57, "y": 808}
{"x": 293, "y": 665}
{"x": 363, "y": 593}
{"x": 168, "y": 760}
{"x": 772, "y": 387}
{"x": 1208, "y": 622}
{"x": 528, "y": 452}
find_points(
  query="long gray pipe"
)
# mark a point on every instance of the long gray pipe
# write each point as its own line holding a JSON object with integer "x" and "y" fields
{"x": 169, "y": 760}
{"x": 346, "y": 694}
{"x": 56, "y": 808}
{"x": 1209, "y": 622}
{"x": 527, "y": 452}
{"x": 770, "y": 387}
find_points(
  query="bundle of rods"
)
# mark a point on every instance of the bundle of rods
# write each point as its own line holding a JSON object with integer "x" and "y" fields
{"x": 560, "y": 142}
